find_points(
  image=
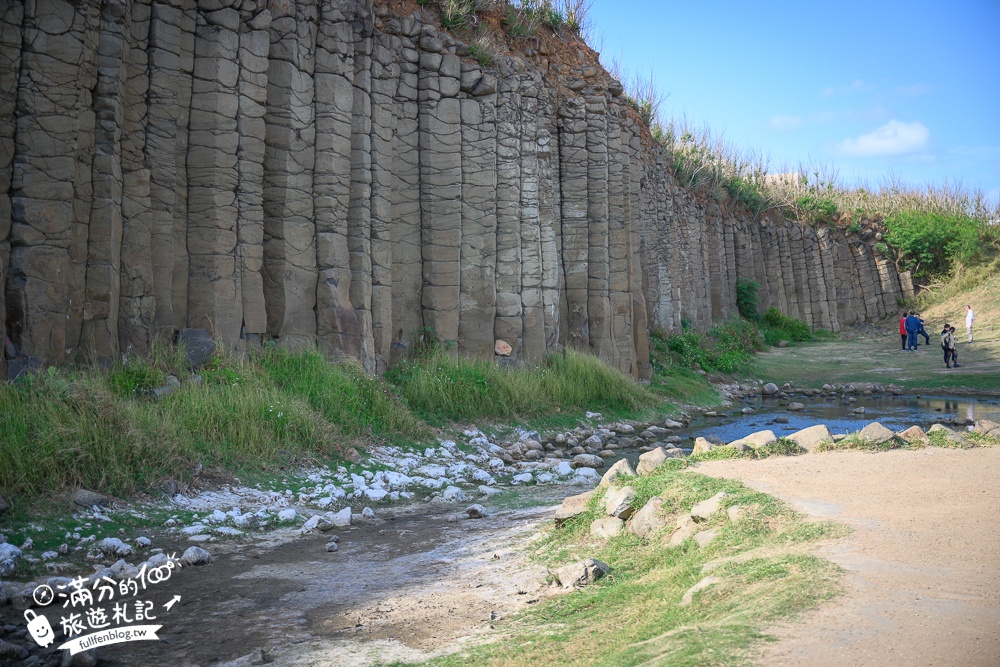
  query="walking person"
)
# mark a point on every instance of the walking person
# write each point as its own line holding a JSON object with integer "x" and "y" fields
{"x": 947, "y": 343}
{"x": 954, "y": 350}
{"x": 970, "y": 318}
{"x": 923, "y": 332}
{"x": 912, "y": 325}
{"x": 902, "y": 331}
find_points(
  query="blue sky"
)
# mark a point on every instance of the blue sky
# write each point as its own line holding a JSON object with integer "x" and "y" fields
{"x": 871, "y": 88}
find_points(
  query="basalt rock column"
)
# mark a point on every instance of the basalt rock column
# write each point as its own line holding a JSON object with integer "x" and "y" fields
{"x": 289, "y": 159}
{"x": 440, "y": 187}
{"x": 214, "y": 296}
{"x": 10, "y": 64}
{"x": 479, "y": 213}
{"x": 407, "y": 272}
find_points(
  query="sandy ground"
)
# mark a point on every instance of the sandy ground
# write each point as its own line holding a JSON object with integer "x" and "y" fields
{"x": 923, "y": 562}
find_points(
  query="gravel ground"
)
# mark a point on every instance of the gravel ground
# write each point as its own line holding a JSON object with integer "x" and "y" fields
{"x": 923, "y": 561}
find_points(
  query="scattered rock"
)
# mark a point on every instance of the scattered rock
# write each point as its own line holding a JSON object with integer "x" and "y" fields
{"x": 82, "y": 659}
{"x": 476, "y": 511}
{"x": 809, "y": 438}
{"x": 705, "y": 537}
{"x": 686, "y": 527}
{"x": 757, "y": 439}
{"x": 859, "y": 411}
{"x": 621, "y": 468}
{"x": 195, "y": 556}
{"x": 983, "y": 426}
{"x": 700, "y": 586}
{"x": 368, "y": 513}
{"x": 452, "y": 494}
{"x": 523, "y": 478}
{"x": 670, "y": 423}
{"x": 795, "y": 407}
{"x": 747, "y": 411}
{"x": 332, "y": 547}
{"x": 651, "y": 460}
{"x": 10, "y": 651}
{"x": 606, "y": 527}
{"x": 352, "y": 455}
{"x": 649, "y": 519}
{"x": 580, "y": 574}
{"x": 341, "y": 519}
{"x": 876, "y": 433}
{"x": 587, "y": 461}
{"x": 287, "y": 514}
{"x": 88, "y": 499}
{"x": 706, "y": 508}
{"x": 502, "y": 348}
{"x": 951, "y": 435}
{"x": 769, "y": 389}
{"x": 781, "y": 419}
{"x": 913, "y": 434}
{"x": 618, "y": 502}
{"x": 573, "y": 506}
{"x": 736, "y": 512}
{"x": 311, "y": 525}
{"x": 702, "y": 445}
{"x": 112, "y": 546}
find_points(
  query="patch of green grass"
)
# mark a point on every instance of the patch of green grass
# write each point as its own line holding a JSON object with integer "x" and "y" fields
{"x": 880, "y": 361}
{"x": 443, "y": 387}
{"x": 764, "y": 576}
{"x": 723, "y": 453}
{"x": 686, "y": 386}
{"x": 981, "y": 440}
{"x": 780, "y": 447}
{"x": 854, "y": 442}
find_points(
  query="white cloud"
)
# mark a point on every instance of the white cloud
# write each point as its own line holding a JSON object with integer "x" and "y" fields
{"x": 786, "y": 123}
{"x": 856, "y": 86}
{"x": 893, "y": 138}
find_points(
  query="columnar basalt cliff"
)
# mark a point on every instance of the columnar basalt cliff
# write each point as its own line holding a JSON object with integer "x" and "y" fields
{"x": 328, "y": 172}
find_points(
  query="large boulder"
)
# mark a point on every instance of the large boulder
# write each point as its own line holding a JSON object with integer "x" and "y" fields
{"x": 705, "y": 537}
{"x": 987, "y": 427}
{"x": 701, "y": 446}
{"x": 769, "y": 389}
{"x": 618, "y": 502}
{"x": 648, "y": 520}
{"x": 580, "y": 574}
{"x": 809, "y": 438}
{"x": 758, "y": 439}
{"x": 913, "y": 434}
{"x": 620, "y": 469}
{"x": 606, "y": 527}
{"x": 651, "y": 460}
{"x": 952, "y": 436}
{"x": 587, "y": 461}
{"x": 87, "y": 498}
{"x": 704, "y": 510}
{"x": 876, "y": 433}
{"x": 686, "y": 527}
{"x": 573, "y": 506}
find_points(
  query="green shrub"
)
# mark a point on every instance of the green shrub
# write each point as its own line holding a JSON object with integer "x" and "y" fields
{"x": 777, "y": 327}
{"x": 816, "y": 210}
{"x": 746, "y": 298}
{"x": 725, "y": 348}
{"x": 931, "y": 243}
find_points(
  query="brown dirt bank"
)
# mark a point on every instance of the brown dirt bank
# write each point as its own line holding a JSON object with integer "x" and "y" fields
{"x": 923, "y": 562}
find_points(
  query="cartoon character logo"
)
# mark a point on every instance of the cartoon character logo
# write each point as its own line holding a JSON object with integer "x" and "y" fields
{"x": 39, "y": 628}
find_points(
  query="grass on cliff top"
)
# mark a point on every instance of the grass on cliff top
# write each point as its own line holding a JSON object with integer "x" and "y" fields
{"x": 100, "y": 430}
{"x": 632, "y": 616}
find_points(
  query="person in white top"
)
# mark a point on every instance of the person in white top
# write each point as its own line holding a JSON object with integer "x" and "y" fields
{"x": 970, "y": 317}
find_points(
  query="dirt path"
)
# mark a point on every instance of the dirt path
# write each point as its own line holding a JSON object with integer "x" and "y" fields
{"x": 923, "y": 562}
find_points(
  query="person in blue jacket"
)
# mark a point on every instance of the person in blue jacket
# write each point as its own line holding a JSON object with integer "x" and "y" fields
{"x": 912, "y": 327}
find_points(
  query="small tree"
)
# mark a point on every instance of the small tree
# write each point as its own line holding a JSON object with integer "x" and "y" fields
{"x": 746, "y": 299}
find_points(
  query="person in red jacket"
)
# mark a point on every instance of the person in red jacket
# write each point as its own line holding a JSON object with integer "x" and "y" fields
{"x": 902, "y": 330}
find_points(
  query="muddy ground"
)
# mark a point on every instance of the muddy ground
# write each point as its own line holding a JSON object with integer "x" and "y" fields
{"x": 414, "y": 583}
